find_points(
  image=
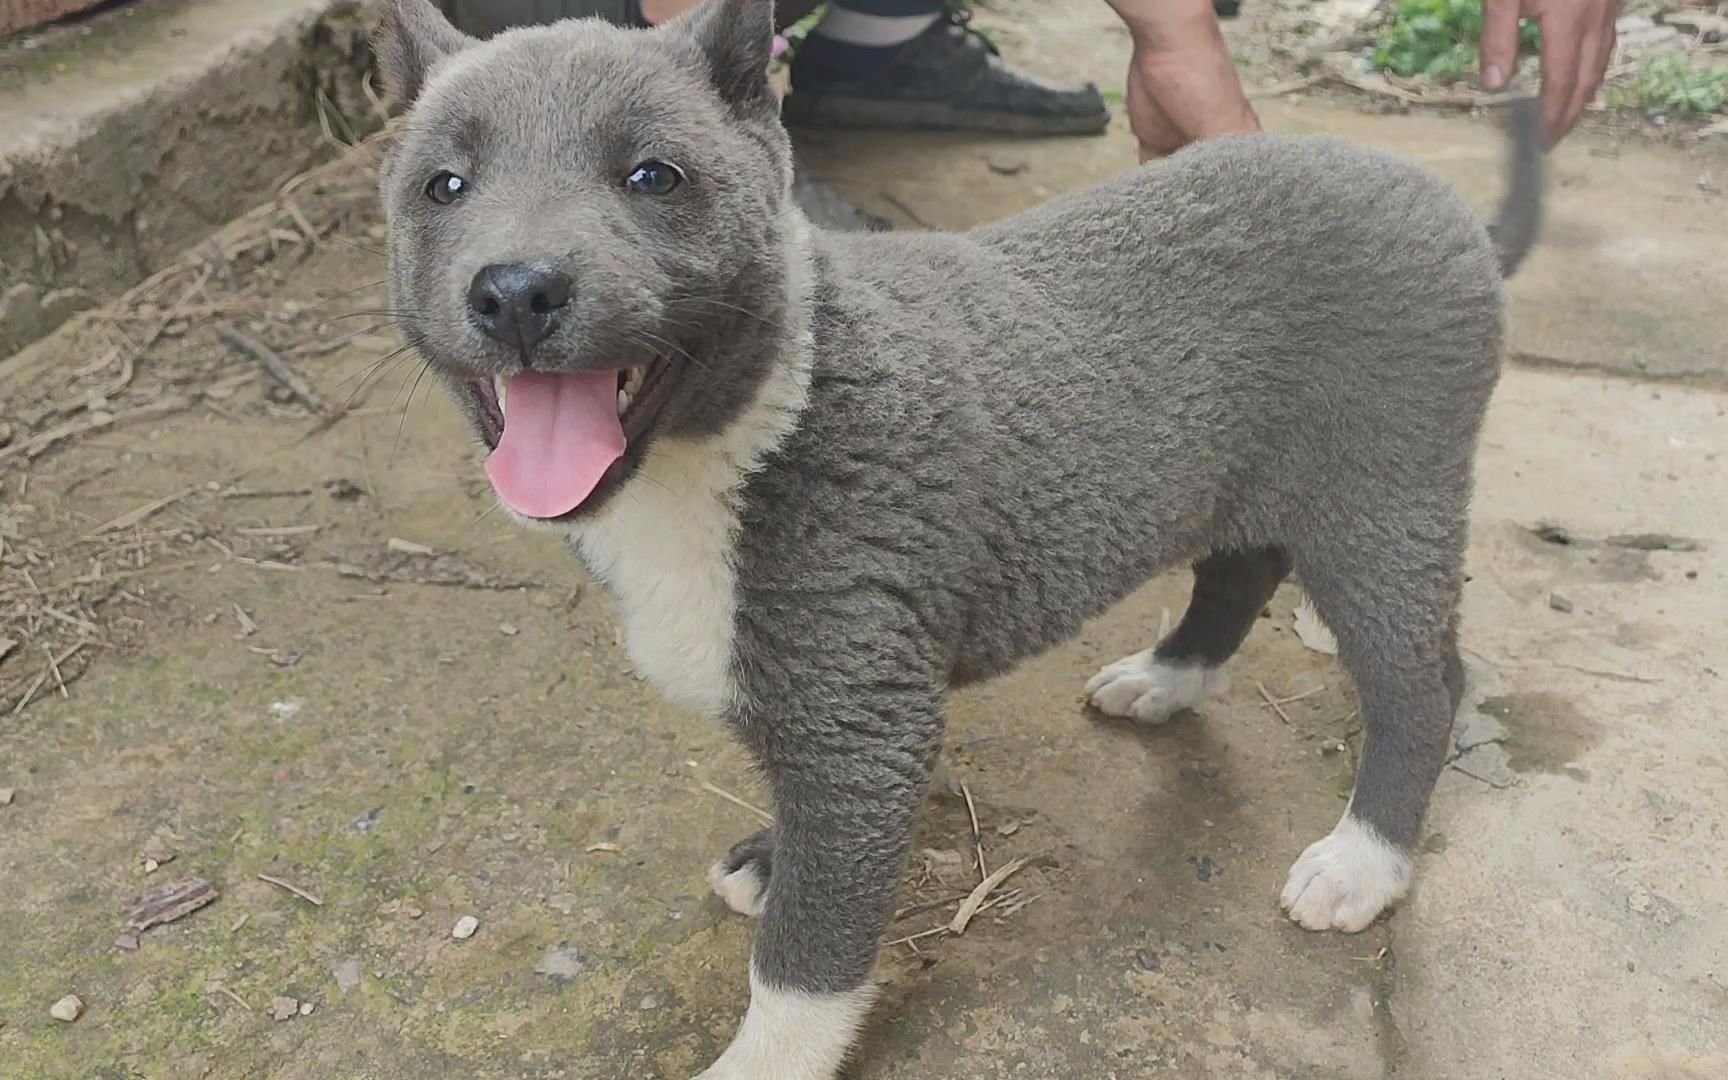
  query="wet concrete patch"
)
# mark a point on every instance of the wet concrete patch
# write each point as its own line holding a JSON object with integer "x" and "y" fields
{"x": 1545, "y": 733}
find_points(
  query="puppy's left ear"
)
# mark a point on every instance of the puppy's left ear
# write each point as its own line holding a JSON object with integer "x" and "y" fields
{"x": 736, "y": 37}
{"x": 411, "y": 38}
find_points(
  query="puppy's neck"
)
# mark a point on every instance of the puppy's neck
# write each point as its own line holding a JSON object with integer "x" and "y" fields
{"x": 664, "y": 543}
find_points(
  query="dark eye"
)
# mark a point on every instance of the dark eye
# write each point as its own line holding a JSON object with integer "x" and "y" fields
{"x": 653, "y": 178}
{"x": 446, "y": 188}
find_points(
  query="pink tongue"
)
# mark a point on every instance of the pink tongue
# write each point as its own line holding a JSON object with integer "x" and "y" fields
{"x": 561, "y": 433}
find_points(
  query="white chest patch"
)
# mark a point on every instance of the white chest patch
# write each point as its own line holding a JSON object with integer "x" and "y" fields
{"x": 665, "y": 553}
{"x": 664, "y": 547}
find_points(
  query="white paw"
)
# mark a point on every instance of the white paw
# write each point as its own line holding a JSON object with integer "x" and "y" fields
{"x": 1144, "y": 688}
{"x": 743, "y": 889}
{"x": 1344, "y": 881}
{"x": 792, "y": 1035}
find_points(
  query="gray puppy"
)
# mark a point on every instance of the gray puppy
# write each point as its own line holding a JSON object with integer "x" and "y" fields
{"x": 827, "y": 477}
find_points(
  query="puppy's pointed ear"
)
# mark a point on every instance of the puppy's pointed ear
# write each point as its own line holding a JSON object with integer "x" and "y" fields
{"x": 412, "y": 36}
{"x": 736, "y": 37}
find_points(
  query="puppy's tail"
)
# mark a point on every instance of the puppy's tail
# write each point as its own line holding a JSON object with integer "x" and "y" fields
{"x": 1520, "y": 219}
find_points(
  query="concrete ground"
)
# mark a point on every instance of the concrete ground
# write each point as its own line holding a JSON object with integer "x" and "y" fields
{"x": 276, "y": 678}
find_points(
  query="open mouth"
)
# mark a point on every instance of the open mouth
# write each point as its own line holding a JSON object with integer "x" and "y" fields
{"x": 561, "y": 439}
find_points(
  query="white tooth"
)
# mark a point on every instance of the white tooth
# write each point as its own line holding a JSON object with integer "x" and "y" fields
{"x": 498, "y": 387}
{"x": 623, "y": 401}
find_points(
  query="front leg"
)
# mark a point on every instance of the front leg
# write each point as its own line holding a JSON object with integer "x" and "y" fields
{"x": 847, "y": 779}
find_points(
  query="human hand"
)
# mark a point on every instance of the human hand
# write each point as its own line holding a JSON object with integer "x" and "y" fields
{"x": 1182, "y": 84}
{"x": 1577, "y": 41}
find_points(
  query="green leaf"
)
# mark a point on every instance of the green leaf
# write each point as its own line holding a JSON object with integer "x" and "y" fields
{"x": 1437, "y": 38}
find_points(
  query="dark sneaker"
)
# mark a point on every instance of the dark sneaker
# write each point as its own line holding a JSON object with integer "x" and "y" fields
{"x": 949, "y": 78}
{"x": 483, "y": 18}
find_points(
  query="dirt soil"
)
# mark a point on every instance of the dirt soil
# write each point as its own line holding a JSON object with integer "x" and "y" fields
{"x": 278, "y": 642}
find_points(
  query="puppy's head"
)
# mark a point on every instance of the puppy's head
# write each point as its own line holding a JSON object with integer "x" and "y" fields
{"x": 587, "y": 234}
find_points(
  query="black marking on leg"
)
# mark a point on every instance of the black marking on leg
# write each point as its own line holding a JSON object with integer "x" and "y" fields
{"x": 1230, "y": 589}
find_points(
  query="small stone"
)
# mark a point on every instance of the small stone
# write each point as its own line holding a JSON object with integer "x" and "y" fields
{"x": 68, "y": 1008}
{"x": 151, "y": 866}
{"x": 943, "y": 861}
{"x": 465, "y": 927}
{"x": 561, "y": 963}
{"x": 347, "y": 973}
{"x": 1147, "y": 960}
{"x": 563, "y": 903}
{"x": 342, "y": 489}
{"x": 649, "y": 1001}
{"x": 508, "y": 629}
{"x": 1008, "y": 829}
{"x": 128, "y": 942}
{"x": 1559, "y": 603}
{"x": 284, "y": 1008}
{"x": 6, "y": 795}
{"x": 306, "y": 1008}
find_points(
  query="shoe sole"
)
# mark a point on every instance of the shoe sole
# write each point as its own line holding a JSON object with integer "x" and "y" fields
{"x": 836, "y": 110}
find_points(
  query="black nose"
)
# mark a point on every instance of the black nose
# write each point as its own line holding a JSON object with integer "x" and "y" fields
{"x": 518, "y": 303}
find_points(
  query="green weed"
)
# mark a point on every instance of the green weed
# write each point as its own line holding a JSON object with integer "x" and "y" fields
{"x": 1438, "y": 39}
{"x": 1671, "y": 81}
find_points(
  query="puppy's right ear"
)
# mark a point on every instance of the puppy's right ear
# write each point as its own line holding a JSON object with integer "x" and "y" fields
{"x": 411, "y": 38}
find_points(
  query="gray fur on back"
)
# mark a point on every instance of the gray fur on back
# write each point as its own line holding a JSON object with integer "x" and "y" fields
{"x": 1011, "y": 429}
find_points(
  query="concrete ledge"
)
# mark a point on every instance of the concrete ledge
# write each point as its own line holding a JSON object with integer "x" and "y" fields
{"x": 16, "y": 15}
{"x": 135, "y": 134}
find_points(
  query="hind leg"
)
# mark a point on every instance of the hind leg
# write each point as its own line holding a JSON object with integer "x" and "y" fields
{"x": 1230, "y": 589}
{"x": 740, "y": 877}
{"x": 1394, "y": 620}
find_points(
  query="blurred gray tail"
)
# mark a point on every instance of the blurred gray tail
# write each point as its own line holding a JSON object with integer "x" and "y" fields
{"x": 1520, "y": 219}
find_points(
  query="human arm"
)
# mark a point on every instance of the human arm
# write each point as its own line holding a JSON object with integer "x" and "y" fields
{"x": 1182, "y": 84}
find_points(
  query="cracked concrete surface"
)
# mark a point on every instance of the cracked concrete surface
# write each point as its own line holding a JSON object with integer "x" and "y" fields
{"x": 437, "y": 752}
